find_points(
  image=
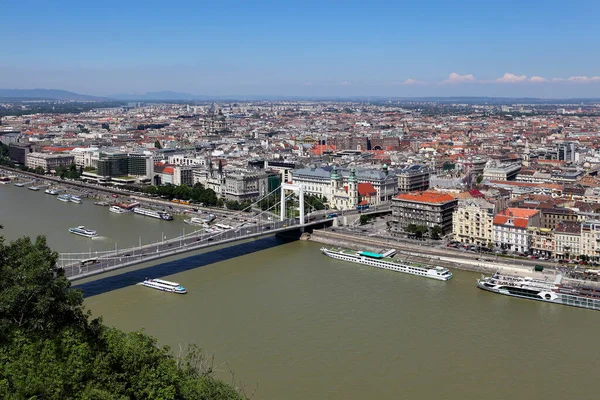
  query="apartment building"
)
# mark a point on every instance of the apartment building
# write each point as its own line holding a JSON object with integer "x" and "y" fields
{"x": 567, "y": 240}
{"x": 590, "y": 240}
{"x": 413, "y": 178}
{"x": 427, "y": 208}
{"x": 473, "y": 222}
{"x": 511, "y": 228}
{"x": 497, "y": 171}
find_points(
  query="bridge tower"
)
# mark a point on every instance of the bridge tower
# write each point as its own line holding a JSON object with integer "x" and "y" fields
{"x": 298, "y": 189}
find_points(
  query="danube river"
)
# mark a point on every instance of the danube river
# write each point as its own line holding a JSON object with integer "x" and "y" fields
{"x": 294, "y": 324}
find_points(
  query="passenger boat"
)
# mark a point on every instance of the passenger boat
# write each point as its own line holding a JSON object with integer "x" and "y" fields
{"x": 101, "y": 203}
{"x": 64, "y": 197}
{"x": 583, "y": 295}
{"x": 195, "y": 221}
{"x": 83, "y": 231}
{"x": 51, "y": 191}
{"x": 152, "y": 213}
{"x": 118, "y": 210}
{"x": 386, "y": 262}
{"x": 171, "y": 287}
{"x": 20, "y": 184}
{"x": 75, "y": 199}
{"x": 4, "y": 180}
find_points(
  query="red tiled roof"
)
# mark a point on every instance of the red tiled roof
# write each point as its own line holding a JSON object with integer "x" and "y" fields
{"x": 168, "y": 170}
{"x": 519, "y": 216}
{"x": 426, "y": 197}
{"x": 366, "y": 189}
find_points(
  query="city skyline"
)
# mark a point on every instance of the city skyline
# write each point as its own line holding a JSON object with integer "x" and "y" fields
{"x": 303, "y": 49}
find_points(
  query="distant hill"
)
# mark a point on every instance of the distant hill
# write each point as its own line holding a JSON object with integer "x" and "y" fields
{"x": 46, "y": 94}
{"x": 165, "y": 95}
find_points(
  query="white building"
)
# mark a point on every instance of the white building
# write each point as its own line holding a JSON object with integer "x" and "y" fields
{"x": 511, "y": 228}
{"x": 317, "y": 181}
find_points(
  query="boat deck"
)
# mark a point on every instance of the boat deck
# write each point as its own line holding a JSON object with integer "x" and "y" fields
{"x": 388, "y": 259}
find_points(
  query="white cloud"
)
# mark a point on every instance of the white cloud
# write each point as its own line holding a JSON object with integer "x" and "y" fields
{"x": 456, "y": 78}
{"x": 537, "y": 79}
{"x": 511, "y": 78}
{"x": 584, "y": 79}
{"x": 410, "y": 81}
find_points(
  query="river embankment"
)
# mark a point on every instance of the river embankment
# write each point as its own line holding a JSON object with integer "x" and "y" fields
{"x": 425, "y": 254}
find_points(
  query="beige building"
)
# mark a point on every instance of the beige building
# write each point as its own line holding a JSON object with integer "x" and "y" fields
{"x": 567, "y": 240}
{"x": 590, "y": 240}
{"x": 473, "y": 222}
{"x": 48, "y": 161}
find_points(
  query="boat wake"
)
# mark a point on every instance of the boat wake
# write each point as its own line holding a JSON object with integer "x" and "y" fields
{"x": 100, "y": 238}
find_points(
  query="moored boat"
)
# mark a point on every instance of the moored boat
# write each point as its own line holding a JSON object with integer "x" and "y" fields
{"x": 75, "y": 199}
{"x": 152, "y": 213}
{"x": 380, "y": 261}
{"x": 582, "y": 295}
{"x": 117, "y": 210}
{"x": 64, "y": 197}
{"x": 83, "y": 231}
{"x": 51, "y": 191}
{"x": 166, "y": 286}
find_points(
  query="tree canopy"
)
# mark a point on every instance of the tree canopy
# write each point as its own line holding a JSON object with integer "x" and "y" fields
{"x": 50, "y": 348}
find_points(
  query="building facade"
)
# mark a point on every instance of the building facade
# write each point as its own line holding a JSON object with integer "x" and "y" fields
{"x": 413, "y": 178}
{"x": 423, "y": 208}
{"x": 473, "y": 222}
{"x": 511, "y": 228}
{"x": 48, "y": 161}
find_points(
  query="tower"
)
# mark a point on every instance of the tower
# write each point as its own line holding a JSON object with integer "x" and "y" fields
{"x": 353, "y": 188}
{"x": 526, "y": 159}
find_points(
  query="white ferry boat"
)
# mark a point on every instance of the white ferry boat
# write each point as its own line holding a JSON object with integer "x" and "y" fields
{"x": 543, "y": 290}
{"x": 195, "y": 221}
{"x": 152, "y": 213}
{"x": 34, "y": 188}
{"x": 171, "y": 287}
{"x": 75, "y": 199}
{"x": 380, "y": 261}
{"x": 83, "y": 231}
{"x": 118, "y": 210}
{"x": 53, "y": 192}
{"x": 64, "y": 197}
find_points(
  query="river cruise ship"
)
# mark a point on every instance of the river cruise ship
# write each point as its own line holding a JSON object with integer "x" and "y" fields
{"x": 51, "y": 191}
{"x": 64, "y": 197}
{"x": 166, "y": 286}
{"x": 542, "y": 290}
{"x": 83, "y": 231}
{"x": 385, "y": 262}
{"x": 152, "y": 213}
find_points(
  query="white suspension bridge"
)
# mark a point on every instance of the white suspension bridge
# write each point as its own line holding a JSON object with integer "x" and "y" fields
{"x": 81, "y": 265}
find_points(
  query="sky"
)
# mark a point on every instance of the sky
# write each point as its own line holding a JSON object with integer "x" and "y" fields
{"x": 525, "y": 48}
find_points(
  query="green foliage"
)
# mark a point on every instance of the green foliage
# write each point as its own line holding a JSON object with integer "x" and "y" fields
{"x": 417, "y": 230}
{"x": 237, "y": 206}
{"x": 364, "y": 219}
{"x": 448, "y": 166}
{"x": 197, "y": 193}
{"x": 314, "y": 203}
{"x": 4, "y": 158}
{"x": 435, "y": 232}
{"x": 157, "y": 144}
{"x": 479, "y": 179}
{"x": 50, "y": 349}
{"x": 70, "y": 172}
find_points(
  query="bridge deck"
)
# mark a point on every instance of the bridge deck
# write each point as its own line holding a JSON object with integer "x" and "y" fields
{"x": 82, "y": 265}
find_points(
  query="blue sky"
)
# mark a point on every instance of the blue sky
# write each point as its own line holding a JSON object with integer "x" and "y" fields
{"x": 310, "y": 48}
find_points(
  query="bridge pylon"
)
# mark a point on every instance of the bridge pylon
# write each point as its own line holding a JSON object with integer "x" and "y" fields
{"x": 298, "y": 189}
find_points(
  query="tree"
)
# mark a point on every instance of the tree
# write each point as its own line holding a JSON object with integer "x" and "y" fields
{"x": 364, "y": 219}
{"x": 50, "y": 349}
{"x": 435, "y": 232}
{"x": 479, "y": 179}
{"x": 157, "y": 144}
